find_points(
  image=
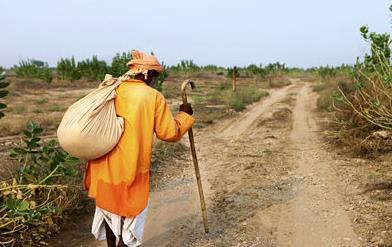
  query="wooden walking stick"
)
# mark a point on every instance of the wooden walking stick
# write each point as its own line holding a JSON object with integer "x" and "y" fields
{"x": 194, "y": 157}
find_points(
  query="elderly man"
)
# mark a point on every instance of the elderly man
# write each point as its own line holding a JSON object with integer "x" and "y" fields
{"x": 119, "y": 181}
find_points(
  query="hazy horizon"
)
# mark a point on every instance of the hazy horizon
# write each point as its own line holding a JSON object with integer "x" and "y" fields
{"x": 303, "y": 33}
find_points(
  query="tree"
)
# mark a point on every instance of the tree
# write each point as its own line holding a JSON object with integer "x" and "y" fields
{"x": 119, "y": 64}
{"x": 93, "y": 70}
{"x": 67, "y": 69}
{"x": 3, "y": 92}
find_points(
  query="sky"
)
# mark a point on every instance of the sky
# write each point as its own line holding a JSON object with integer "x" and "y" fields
{"x": 300, "y": 33}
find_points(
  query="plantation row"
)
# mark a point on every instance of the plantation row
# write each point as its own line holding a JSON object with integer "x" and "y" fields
{"x": 94, "y": 69}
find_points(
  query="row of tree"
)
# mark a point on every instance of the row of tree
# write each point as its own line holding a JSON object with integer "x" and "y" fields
{"x": 68, "y": 69}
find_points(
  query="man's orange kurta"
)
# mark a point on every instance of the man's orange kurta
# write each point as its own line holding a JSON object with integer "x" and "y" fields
{"x": 119, "y": 181}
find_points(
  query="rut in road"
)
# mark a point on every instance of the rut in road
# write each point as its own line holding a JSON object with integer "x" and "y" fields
{"x": 316, "y": 215}
{"x": 267, "y": 182}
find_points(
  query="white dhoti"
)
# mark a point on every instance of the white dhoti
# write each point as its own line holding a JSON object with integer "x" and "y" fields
{"x": 131, "y": 231}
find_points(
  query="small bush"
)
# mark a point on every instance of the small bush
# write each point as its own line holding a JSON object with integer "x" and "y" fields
{"x": 319, "y": 87}
{"x": 230, "y": 72}
{"x": 57, "y": 108}
{"x": 67, "y": 69}
{"x": 41, "y": 101}
{"x": 223, "y": 86}
{"x": 19, "y": 109}
{"x": 33, "y": 69}
{"x": 37, "y": 110}
{"x": 244, "y": 96}
{"x": 119, "y": 64}
{"x": 32, "y": 204}
{"x": 196, "y": 99}
{"x": 93, "y": 70}
{"x": 236, "y": 104}
{"x": 185, "y": 66}
{"x": 160, "y": 79}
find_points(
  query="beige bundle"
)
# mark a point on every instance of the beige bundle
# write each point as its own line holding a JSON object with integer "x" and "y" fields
{"x": 90, "y": 127}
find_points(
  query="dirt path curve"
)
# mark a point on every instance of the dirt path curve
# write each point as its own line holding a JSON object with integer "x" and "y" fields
{"x": 267, "y": 180}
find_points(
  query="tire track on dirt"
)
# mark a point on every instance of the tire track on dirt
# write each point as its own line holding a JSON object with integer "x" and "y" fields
{"x": 315, "y": 216}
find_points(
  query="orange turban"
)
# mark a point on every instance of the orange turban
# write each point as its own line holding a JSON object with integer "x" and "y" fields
{"x": 142, "y": 62}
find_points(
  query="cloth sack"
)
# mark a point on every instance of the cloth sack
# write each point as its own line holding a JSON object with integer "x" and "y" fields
{"x": 90, "y": 127}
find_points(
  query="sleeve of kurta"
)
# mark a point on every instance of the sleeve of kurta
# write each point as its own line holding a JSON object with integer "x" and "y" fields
{"x": 169, "y": 128}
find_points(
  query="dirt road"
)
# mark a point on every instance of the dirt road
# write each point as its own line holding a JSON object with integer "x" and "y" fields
{"x": 267, "y": 178}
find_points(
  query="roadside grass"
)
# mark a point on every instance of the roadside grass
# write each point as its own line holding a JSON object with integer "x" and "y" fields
{"x": 41, "y": 101}
{"x": 221, "y": 101}
{"x": 17, "y": 109}
{"x": 327, "y": 90}
{"x": 57, "y": 108}
{"x": 213, "y": 99}
{"x": 345, "y": 128}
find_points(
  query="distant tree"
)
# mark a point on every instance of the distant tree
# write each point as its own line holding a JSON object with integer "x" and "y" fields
{"x": 32, "y": 68}
{"x": 93, "y": 70}
{"x": 67, "y": 69}
{"x": 119, "y": 64}
{"x": 158, "y": 84}
{"x": 3, "y": 92}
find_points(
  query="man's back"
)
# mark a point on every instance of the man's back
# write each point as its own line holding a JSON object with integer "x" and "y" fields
{"x": 119, "y": 181}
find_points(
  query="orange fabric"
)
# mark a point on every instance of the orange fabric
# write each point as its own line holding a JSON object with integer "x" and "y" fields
{"x": 119, "y": 181}
{"x": 143, "y": 62}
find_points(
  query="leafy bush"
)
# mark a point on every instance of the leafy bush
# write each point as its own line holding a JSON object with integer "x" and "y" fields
{"x": 379, "y": 45}
{"x": 257, "y": 70}
{"x": 236, "y": 104}
{"x": 32, "y": 204}
{"x": 185, "y": 66}
{"x": 33, "y": 69}
{"x": 230, "y": 72}
{"x": 364, "y": 106}
{"x": 93, "y": 70}
{"x": 158, "y": 83}
{"x": 119, "y": 64}
{"x": 67, "y": 69}
{"x": 3, "y": 92}
{"x": 325, "y": 72}
{"x": 244, "y": 96}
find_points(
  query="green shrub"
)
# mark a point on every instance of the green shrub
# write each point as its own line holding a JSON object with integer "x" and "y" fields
{"x": 185, "y": 66}
{"x": 41, "y": 101}
{"x": 33, "y": 69}
{"x": 119, "y": 64}
{"x": 3, "y": 92}
{"x": 57, "y": 108}
{"x": 224, "y": 86}
{"x": 196, "y": 99}
{"x": 158, "y": 82}
{"x": 67, "y": 69}
{"x": 319, "y": 87}
{"x": 230, "y": 72}
{"x": 236, "y": 103}
{"x": 32, "y": 204}
{"x": 380, "y": 44}
{"x": 19, "y": 109}
{"x": 325, "y": 72}
{"x": 244, "y": 96}
{"x": 93, "y": 70}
